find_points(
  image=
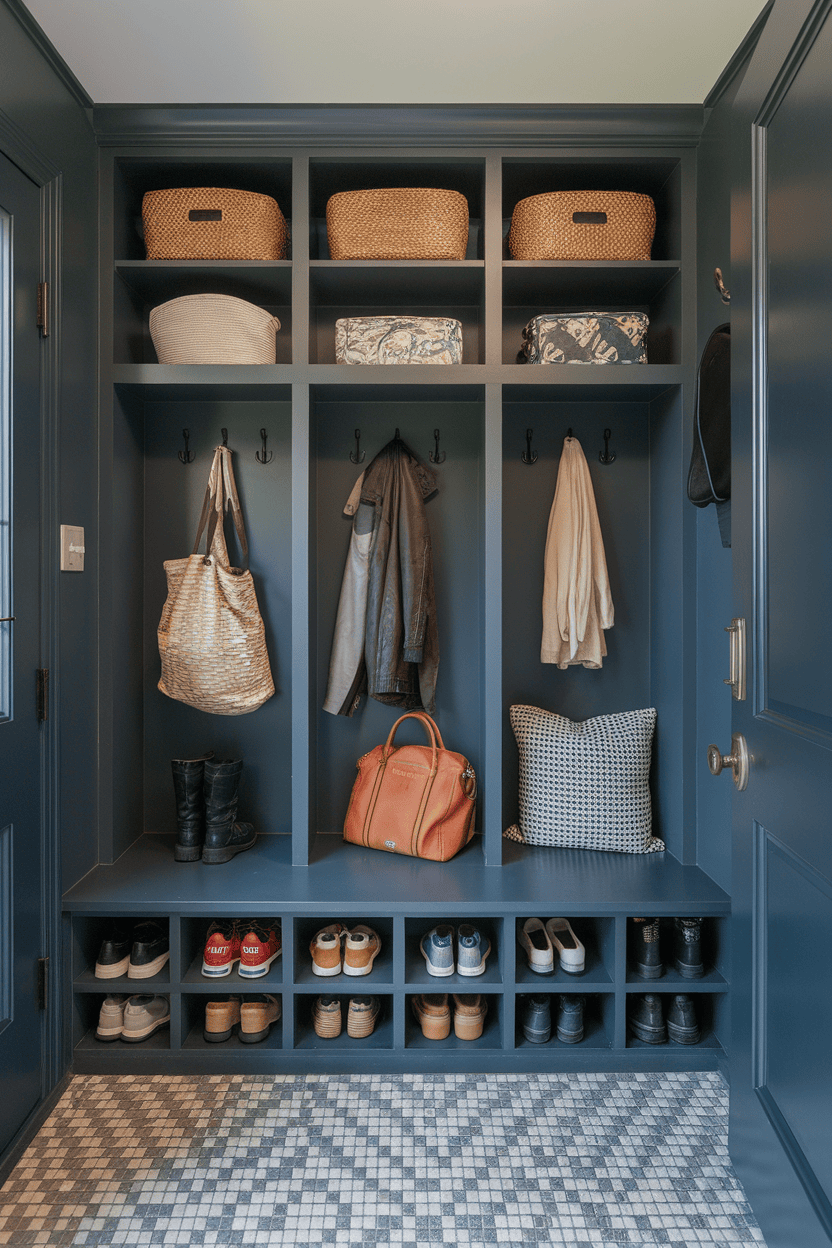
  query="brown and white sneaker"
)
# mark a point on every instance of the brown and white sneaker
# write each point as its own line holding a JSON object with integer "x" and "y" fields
{"x": 361, "y": 948}
{"x": 221, "y": 1017}
{"x": 325, "y": 948}
{"x": 470, "y": 1010}
{"x": 257, "y": 1013}
{"x": 433, "y": 1014}
{"x": 362, "y": 1015}
{"x": 326, "y": 1017}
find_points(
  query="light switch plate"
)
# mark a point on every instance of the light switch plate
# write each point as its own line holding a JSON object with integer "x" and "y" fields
{"x": 72, "y": 548}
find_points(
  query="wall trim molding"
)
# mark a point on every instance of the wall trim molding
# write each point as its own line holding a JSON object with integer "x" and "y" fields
{"x": 17, "y": 147}
{"x": 740, "y": 58}
{"x": 320, "y": 125}
{"x": 48, "y": 51}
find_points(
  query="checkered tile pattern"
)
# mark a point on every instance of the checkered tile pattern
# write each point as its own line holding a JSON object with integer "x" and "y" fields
{"x": 584, "y": 1161}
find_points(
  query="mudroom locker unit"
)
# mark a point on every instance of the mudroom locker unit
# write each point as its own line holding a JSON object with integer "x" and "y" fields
{"x": 112, "y": 428}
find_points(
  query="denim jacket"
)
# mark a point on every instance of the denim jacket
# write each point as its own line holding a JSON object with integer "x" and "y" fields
{"x": 386, "y": 640}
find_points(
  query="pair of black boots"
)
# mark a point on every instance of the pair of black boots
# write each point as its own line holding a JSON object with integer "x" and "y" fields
{"x": 649, "y": 1023}
{"x": 206, "y": 810}
{"x": 687, "y": 952}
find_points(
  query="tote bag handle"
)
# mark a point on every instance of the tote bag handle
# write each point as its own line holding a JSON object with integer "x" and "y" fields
{"x": 220, "y": 494}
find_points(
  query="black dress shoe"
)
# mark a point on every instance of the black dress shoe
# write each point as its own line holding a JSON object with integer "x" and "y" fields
{"x": 688, "y": 959}
{"x": 646, "y": 1019}
{"x": 114, "y": 954}
{"x": 682, "y": 1026}
{"x": 537, "y": 1019}
{"x": 647, "y": 957}
{"x": 571, "y": 1019}
{"x": 151, "y": 950}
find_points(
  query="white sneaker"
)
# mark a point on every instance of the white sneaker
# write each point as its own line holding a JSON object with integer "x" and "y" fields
{"x": 572, "y": 952}
{"x": 533, "y": 937}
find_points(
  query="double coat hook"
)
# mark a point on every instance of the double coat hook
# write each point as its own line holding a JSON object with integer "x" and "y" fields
{"x": 264, "y": 456}
{"x": 357, "y": 456}
{"x": 436, "y": 456}
{"x": 187, "y": 455}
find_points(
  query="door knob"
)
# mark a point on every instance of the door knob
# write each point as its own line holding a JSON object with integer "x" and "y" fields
{"x": 737, "y": 760}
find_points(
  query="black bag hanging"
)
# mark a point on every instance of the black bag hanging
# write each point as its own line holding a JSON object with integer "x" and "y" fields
{"x": 709, "y": 479}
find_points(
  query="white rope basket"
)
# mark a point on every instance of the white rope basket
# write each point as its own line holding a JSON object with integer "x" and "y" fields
{"x": 213, "y": 329}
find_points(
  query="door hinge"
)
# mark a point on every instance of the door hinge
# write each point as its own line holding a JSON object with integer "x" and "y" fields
{"x": 43, "y": 983}
{"x": 43, "y": 309}
{"x": 43, "y": 694}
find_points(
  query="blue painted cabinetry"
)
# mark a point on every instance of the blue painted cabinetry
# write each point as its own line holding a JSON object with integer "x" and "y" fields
{"x": 488, "y": 523}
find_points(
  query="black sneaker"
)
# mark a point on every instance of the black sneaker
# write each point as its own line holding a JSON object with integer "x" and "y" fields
{"x": 647, "y": 958}
{"x": 537, "y": 1019}
{"x": 571, "y": 1019}
{"x": 114, "y": 954}
{"x": 682, "y": 1026}
{"x": 688, "y": 959}
{"x": 646, "y": 1019}
{"x": 151, "y": 950}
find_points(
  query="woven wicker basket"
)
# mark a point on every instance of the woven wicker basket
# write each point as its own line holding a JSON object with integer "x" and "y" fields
{"x": 583, "y": 225}
{"x": 213, "y": 329}
{"x": 212, "y": 223}
{"x": 402, "y": 223}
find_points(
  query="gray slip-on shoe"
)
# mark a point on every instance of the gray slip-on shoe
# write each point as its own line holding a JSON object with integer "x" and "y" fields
{"x": 111, "y": 1018}
{"x": 143, "y": 1015}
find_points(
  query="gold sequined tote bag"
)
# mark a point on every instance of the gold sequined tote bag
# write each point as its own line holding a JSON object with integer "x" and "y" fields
{"x": 211, "y": 637}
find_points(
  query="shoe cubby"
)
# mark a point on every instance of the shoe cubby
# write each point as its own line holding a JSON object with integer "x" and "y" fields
{"x": 712, "y": 1015}
{"x": 306, "y": 1037}
{"x": 87, "y": 935}
{"x": 415, "y": 966}
{"x": 381, "y": 974}
{"x": 598, "y": 938}
{"x": 492, "y": 1032}
{"x": 193, "y": 1024}
{"x": 599, "y": 1021}
{"x": 714, "y": 959}
{"x": 115, "y": 1052}
{"x": 194, "y": 932}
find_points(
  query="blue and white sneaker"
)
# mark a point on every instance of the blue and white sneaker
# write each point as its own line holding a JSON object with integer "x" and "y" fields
{"x": 437, "y": 948}
{"x": 472, "y": 950}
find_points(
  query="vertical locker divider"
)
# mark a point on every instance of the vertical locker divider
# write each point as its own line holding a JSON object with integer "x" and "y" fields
{"x": 619, "y": 1039}
{"x": 492, "y": 607}
{"x": 287, "y": 926}
{"x": 303, "y": 736}
{"x": 300, "y": 260}
{"x": 399, "y": 999}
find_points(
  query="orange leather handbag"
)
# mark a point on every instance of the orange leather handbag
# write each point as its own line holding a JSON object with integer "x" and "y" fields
{"x": 413, "y": 799}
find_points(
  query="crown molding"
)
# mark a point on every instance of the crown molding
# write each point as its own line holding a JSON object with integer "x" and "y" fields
{"x": 435, "y": 126}
{"x": 739, "y": 60}
{"x": 48, "y": 51}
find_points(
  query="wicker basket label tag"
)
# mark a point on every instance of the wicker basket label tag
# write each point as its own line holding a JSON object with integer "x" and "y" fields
{"x": 589, "y": 218}
{"x": 208, "y": 214}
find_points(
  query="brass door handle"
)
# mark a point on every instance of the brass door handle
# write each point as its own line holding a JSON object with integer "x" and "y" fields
{"x": 737, "y": 760}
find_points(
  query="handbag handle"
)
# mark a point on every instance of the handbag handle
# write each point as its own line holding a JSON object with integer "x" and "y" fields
{"x": 430, "y": 728}
{"x": 428, "y": 719}
{"x": 221, "y": 482}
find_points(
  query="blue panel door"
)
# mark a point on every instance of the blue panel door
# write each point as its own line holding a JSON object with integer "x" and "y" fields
{"x": 781, "y": 1058}
{"x": 20, "y": 771}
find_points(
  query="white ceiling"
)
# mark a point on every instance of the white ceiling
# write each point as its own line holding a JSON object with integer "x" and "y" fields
{"x": 396, "y": 51}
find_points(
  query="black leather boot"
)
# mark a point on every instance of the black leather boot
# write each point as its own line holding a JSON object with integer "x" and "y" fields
{"x": 646, "y": 1019}
{"x": 647, "y": 956}
{"x": 190, "y": 807}
{"x": 682, "y": 1026}
{"x": 223, "y": 836}
{"x": 570, "y": 1028}
{"x": 537, "y": 1018}
{"x": 689, "y": 948}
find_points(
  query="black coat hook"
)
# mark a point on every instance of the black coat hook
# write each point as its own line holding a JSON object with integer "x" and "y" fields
{"x": 357, "y": 456}
{"x": 604, "y": 456}
{"x": 569, "y": 432}
{"x": 725, "y": 295}
{"x": 529, "y": 456}
{"x": 264, "y": 456}
{"x": 436, "y": 456}
{"x": 186, "y": 456}
{"x": 224, "y": 433}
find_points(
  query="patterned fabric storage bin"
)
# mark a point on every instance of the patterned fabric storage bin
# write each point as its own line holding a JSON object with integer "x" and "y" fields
{"x": 213, "y": 329}
{"x": 587, "y": 338}
{"x": 398, "y": 340}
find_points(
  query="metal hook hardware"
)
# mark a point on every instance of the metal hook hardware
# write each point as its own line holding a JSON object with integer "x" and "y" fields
{"x": 264, "y": 456}
{"x": 357, "y": 456}
{"x": 725, "y": 295}
{"x": 186, "y": 456}
{"x": 604, "y": 456}
{"x": 436, "y": 456}
{"x": 569, "y": 433}
{"x": 224, "y": 433}
{"x": 529, "y": 456}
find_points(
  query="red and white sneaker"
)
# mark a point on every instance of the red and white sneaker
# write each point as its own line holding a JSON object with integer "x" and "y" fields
{"x": 259, "y": 946}
{"x": 222, "y": 948}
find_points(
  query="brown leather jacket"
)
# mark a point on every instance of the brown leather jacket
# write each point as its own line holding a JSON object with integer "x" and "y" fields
{"x": 400, "y": 658}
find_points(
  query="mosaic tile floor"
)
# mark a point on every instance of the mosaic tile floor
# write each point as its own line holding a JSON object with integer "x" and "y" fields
{"x": 584, "y": 1161}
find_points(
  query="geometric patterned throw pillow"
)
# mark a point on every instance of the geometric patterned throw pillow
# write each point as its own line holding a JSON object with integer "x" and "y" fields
{"x": 585, "y": 785}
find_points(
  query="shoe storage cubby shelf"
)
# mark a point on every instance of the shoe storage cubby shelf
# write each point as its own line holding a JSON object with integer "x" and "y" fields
{"x": 488, "y": 524}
